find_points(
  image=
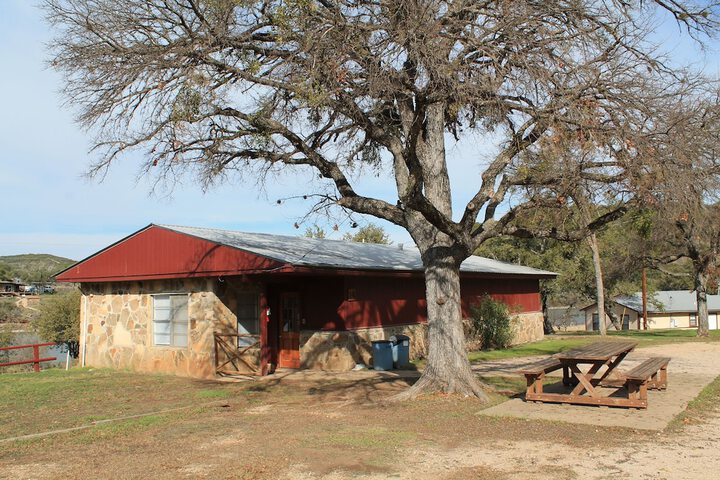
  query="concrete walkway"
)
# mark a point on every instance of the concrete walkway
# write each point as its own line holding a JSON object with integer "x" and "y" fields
{"x": 693, "y": 366}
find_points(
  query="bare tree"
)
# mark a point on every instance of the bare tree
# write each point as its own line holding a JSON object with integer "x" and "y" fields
{"x": 686, "y": 202}
{"x": 227, "y": 89}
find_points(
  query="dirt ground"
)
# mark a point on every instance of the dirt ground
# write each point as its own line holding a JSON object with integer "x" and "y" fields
{"x": 317, "y": 426}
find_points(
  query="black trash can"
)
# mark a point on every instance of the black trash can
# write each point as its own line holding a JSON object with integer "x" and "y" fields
{"x": 382, "y": 355}
{"x": 401, "y": 351}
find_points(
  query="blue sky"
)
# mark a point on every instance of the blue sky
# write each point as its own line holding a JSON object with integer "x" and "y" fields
{"x": 49, "y": 207}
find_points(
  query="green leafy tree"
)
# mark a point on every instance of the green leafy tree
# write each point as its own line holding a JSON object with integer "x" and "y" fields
{"x": 370, "y": 233}
{"x": 58, "y": 319}
{"x": 6, "y": 272}
{"x": 314, "y": 232}
{"x": 623, "y": 249}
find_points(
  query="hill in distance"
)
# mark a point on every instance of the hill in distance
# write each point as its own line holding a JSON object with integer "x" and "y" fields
{"x": 32, "y": 267}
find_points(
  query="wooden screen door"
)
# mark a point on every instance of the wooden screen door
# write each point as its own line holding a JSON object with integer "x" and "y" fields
{"x": 289, "y": 354}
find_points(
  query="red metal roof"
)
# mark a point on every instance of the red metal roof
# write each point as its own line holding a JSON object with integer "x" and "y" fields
{"x": 160, "y": 251}
{"x": 155, "y": 253}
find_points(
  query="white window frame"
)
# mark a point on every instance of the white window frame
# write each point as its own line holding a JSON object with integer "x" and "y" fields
{"x": 175, "y": 334}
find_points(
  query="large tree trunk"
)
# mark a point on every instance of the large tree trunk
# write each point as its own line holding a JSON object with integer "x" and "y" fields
{"x": 701, "y": 293}
{"x": 448, "y": 368}
{"x": 592, "y": 240}
{"x": 548, "y": 328}
{"x": 616, "y": 322}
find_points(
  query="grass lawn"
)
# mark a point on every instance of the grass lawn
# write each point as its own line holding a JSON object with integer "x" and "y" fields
{"x": 565, "y": 341}
{"x": 55, "y": 399}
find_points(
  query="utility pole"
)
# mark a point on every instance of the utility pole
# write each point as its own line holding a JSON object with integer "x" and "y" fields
{"x": 644, "y": 297}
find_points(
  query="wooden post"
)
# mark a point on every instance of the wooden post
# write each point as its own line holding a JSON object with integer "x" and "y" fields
{"x": 644, "y": 298}
{"x": 36, "y": 358}
{"x": 264, "y": 337}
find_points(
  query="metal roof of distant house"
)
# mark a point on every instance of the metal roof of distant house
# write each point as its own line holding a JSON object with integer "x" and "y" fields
{"x": 669, "y": 301}
{"x": 341, "y": 254}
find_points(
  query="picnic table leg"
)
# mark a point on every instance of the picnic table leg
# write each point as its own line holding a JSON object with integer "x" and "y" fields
{"x": 632, "y": 389}
{"x": 534, "y": 385}
{"x": 585, "y": 379}
{"x": 567, "y": 379}
{"x": 663, "y": 378}
{"x": 611, "y": 368}
{"x": 530, "y": 385}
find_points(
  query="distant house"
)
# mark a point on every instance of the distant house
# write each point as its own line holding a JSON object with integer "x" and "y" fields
{"x": 197, "y": 302}
{"x": 8, "y": 287}
{"x": 666, "y": 309}
{"x": 566, "y": 318}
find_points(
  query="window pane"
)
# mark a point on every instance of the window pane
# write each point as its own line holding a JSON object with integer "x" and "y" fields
{"x": 248, "y": 314}
{"x": 170, "y": 320}
{"x": 179, "y": 308}
{"x": 162, "y": 327}
{"x": 161, "y": 301}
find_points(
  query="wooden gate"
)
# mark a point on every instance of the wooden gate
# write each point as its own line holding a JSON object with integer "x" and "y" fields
{"x": 231, "y": 359}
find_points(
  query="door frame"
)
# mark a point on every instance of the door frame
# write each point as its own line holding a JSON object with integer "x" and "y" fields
{"x": 292, "y": 335}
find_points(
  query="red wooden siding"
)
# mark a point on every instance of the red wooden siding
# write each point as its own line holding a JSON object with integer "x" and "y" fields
{"x": 156, "y": 253}
{"x": 373, "y": 302}
{"x": 521, "y": 295}
{"x": 362, "y": 302}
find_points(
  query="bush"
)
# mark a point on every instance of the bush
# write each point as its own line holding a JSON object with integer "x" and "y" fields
{"x": 59, "y": 319}
{"x": 491, "y": 323}
{"x": 8, "y": 310}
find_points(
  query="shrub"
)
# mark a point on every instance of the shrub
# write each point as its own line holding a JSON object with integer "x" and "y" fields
{"x": 59, "y": 319}
{"x": 491, "y": 323}
{"x": 8, "y": 310}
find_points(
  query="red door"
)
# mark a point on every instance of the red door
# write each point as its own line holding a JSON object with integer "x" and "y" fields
{"x": 289, "y": 354}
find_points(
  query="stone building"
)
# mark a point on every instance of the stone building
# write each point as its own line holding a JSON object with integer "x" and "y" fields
{"x": 201, "y": 302}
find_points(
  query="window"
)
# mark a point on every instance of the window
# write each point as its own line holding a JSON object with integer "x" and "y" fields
{"x": 693, "y": 319}
{"x": 596, "y": 321}
{"x": 248, "y": 318}
{"x": 170, "y": 320}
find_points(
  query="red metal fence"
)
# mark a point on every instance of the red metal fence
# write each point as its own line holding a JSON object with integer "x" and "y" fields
{"x": 36, "y": 355}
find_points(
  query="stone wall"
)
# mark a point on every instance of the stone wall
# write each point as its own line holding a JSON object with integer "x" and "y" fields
{"x": 117, "y": 318}
{"x": 342, "y": 350}
{"x": 527, "y": 327}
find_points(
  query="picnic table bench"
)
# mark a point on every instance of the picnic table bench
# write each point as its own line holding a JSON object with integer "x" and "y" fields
{"x": 650, "y": 374}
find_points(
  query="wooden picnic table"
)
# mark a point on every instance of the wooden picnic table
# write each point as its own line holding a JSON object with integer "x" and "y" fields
{"x": 597, "y": 355}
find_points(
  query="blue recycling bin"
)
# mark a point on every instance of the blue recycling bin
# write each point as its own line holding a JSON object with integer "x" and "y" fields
{"x": 401, "y": 351}
{"x": 382, "y": 355}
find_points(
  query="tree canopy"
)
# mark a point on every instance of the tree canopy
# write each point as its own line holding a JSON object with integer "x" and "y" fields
{"x": 562, "y": 92}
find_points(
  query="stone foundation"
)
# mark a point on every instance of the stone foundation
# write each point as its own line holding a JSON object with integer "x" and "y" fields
{"x": 341, "y": 351}
{"x": 527, "y": 327}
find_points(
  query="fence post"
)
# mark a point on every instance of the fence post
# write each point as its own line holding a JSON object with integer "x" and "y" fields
{"x": 36, "y": 358}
